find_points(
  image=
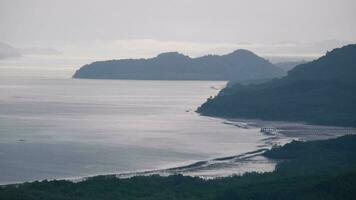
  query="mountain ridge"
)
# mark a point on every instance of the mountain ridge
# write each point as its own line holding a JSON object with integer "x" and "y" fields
{"x": 239, "y": 65}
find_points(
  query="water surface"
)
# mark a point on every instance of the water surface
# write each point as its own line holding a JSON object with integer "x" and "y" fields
{"x": 52, "y": 126}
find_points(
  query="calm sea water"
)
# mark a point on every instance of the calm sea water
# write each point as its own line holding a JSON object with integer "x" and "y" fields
{"x": 52, "y": 126}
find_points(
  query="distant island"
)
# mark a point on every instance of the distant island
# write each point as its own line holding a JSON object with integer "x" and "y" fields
{"x": 321, "y": 92}
{"x": 239, "y": 66}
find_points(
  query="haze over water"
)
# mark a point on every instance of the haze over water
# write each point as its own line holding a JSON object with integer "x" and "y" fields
{"x": 53, "y": 126}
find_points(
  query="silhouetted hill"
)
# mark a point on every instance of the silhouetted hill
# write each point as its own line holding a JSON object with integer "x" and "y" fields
{"x": 240, "y": 65}
{"x": 322, "y": 91}
{"x": 337, "y": 65}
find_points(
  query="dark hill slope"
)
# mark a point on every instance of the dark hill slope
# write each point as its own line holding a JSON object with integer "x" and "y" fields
{"x": 321, "y": 92}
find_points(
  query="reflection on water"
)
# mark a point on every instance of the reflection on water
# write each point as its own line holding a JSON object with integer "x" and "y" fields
{"x": 56, "y": 127}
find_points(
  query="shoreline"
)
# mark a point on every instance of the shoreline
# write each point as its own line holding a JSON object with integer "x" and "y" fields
{"x": 298, "y": 130}
{"x": 306, "y": 170}
{"x": 167, "y": 171}
{"x": 287, "y": 132}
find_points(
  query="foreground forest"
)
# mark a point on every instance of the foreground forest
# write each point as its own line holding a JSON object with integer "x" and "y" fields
{"x": 307, "y": 170}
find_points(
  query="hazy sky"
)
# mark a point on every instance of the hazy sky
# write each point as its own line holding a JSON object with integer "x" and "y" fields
{"x": 132, "y": 28}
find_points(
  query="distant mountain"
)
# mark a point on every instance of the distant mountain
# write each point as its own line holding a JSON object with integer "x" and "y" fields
{"x": 322, "y": 92}
{"x": 240, "y": 65}
{"x": 7, "y": 51}
{"x": 286, "y": 66}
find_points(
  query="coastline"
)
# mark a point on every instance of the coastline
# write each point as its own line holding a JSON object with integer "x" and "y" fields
{"x": 232, "y": 165}
{"x": 311, "y": 165}
{"x": 286, "y": 133}
{"x": 298, "y": 130}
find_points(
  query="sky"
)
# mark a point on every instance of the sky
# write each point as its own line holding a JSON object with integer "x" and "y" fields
{"x": 133, "y": 28}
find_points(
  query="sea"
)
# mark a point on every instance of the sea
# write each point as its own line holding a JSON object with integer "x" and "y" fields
{"x": 56, "y": 127}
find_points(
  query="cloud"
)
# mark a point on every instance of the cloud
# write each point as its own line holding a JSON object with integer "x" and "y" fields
{"x": 145, "y": 48}
{"x": 39, "y": 51}
{"x": 7, "y": 51}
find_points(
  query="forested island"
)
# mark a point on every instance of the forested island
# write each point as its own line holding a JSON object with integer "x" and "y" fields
{"x": 319, "y": 92}
{"x": 240, "y": 65}
{"x": 307, "y": 170}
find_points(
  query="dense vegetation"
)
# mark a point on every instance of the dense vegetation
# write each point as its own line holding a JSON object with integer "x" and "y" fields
{"x": 320, "y": 92}
{"x": 310, "y": 170}
{"x": 240, "y": 65}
